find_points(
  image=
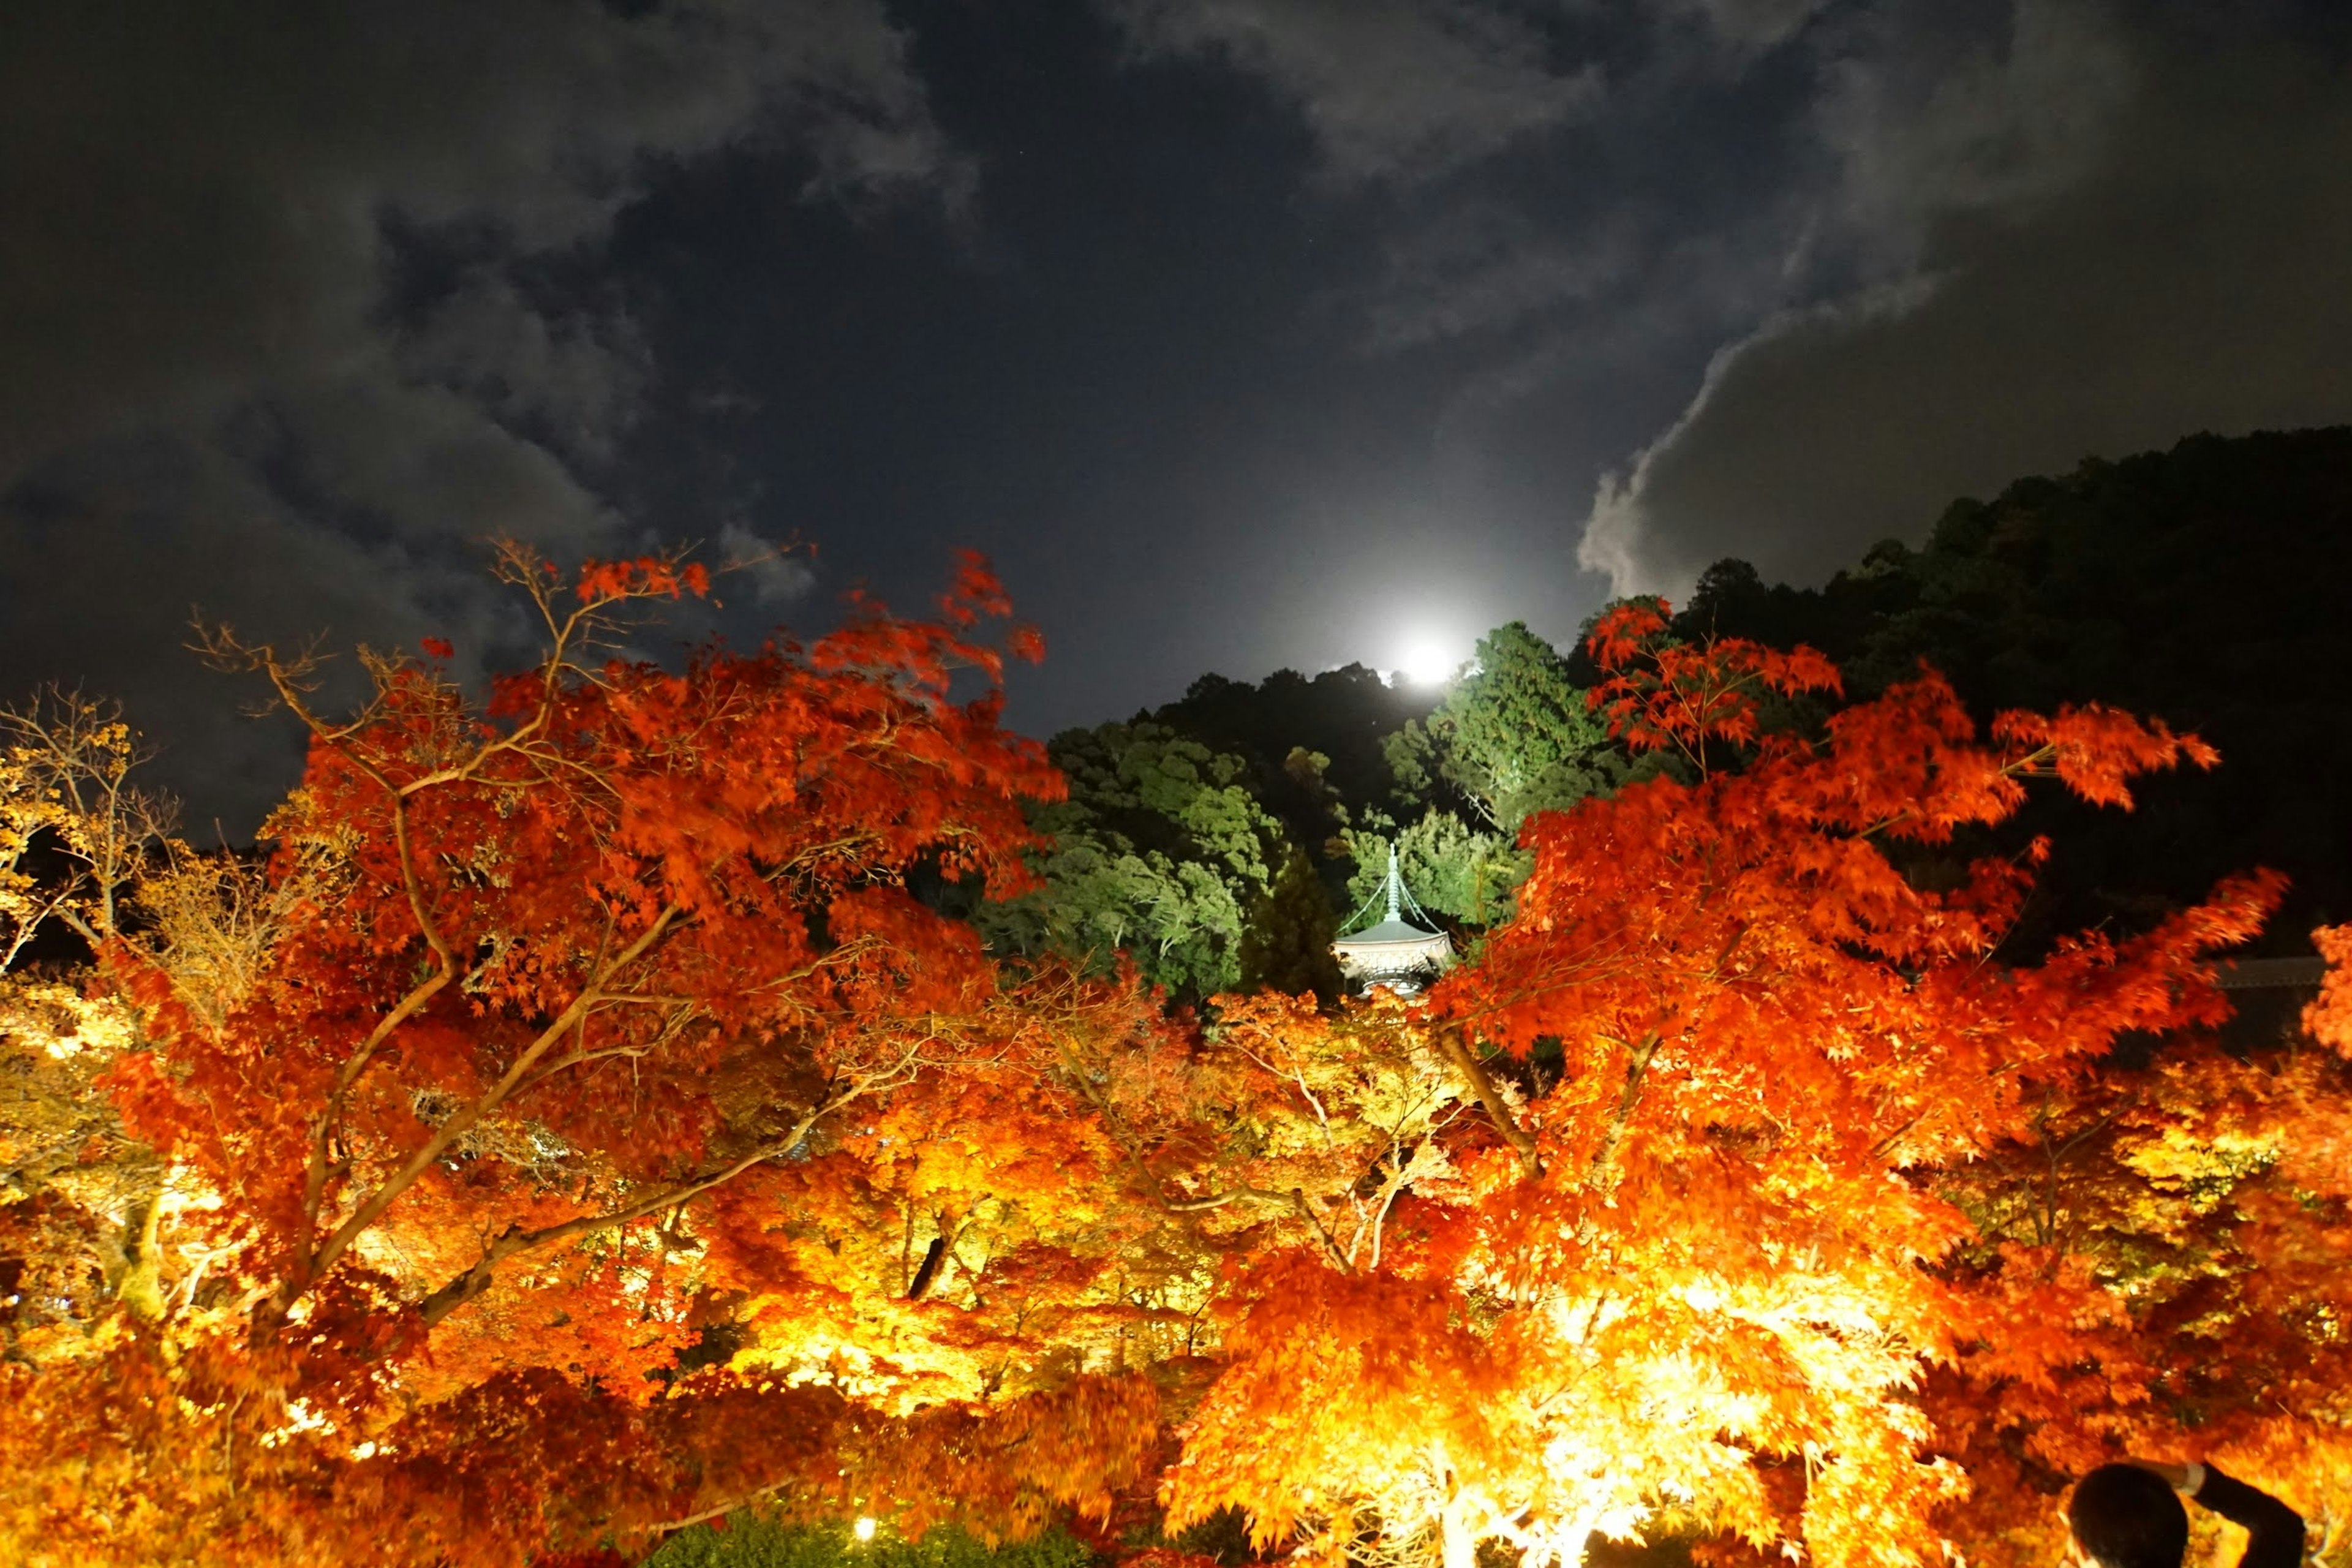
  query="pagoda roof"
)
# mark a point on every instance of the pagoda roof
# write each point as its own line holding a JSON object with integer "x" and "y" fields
{"x": 1393, "y": 930}
{"x": 1394, "y": 954}
{"x": 1394, "y": 927}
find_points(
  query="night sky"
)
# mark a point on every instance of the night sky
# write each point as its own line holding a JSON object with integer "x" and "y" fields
{"x": 1241, "y": 333}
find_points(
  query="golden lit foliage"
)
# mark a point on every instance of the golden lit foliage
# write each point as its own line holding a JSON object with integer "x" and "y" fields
{"x": 66, "y": 763}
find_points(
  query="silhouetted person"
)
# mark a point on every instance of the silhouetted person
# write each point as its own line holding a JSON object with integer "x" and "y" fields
{"x": 2129, "y": 1516}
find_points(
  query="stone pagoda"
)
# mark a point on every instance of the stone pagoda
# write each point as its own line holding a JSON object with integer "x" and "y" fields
{"x": 1395, "y": 954}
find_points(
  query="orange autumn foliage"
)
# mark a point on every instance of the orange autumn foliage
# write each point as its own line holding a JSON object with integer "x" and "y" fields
{"x": 1737, "y": 1076}
{"x": 605, "y": 1136}
{"x": 2157, "y": 1272}
{"x": 596, "y": 1036}
{"x": 2329, "y": 1018}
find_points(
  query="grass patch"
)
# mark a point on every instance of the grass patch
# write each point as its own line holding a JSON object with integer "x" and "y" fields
{"x": 757, "y": 1543}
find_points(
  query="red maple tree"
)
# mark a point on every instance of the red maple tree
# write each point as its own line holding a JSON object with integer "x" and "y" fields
{"x": 589, "y": 1023}
{"x": 1690, "y": 1144}
{"x": 579, "y": 1127}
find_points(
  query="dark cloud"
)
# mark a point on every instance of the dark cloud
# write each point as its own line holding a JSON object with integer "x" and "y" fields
{"x": 1899, "y": 252}
{"x": 1757, "y": 23}
{"x": 1393, "y": 89}
{"x": 2087, "y": 238}
{"x": 1240, "y": 332}
{"x": 273, "y": 338}
{"x": 1486, "y": 269}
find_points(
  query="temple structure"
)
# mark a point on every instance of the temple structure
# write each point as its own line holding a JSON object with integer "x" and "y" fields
{"x": 1394, "y": 954}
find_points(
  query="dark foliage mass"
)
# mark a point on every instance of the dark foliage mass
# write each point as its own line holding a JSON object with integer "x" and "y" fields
{"x": 1345, "y": 715}
{"x": 1286, "y": 946}
{"x": 2202, "y": 585}
{"x": 2197, "y": 585}
{"x": 995, "y": 1151}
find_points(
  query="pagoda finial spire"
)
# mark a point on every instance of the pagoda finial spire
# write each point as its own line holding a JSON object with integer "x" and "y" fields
{"x": 1395, "y": 956}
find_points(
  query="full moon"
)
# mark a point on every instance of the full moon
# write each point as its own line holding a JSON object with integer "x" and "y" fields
{"x": 1426, "y": 664}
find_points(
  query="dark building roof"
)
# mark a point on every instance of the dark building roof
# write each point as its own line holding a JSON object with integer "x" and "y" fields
{"x": 2270, "y": 974}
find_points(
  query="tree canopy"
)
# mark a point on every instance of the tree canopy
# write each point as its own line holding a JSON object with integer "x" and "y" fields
{"x": 636, "y": 1094}
{"x": 2194, "y": 583}
{"x": 1158, "y": 851}
{"x": 1513, "y": 736}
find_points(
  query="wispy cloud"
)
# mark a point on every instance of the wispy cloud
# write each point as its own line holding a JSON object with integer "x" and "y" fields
{"x": 1394, "y": 90}
{"x": 2083, "y": 239}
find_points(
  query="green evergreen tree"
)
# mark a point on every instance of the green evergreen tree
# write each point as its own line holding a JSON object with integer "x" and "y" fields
{"x": 1158, "y": 852}
{"x": 1286, "y": 946}
{"x": 1513, "y": 737}
{"x": 1450, "y": 867}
